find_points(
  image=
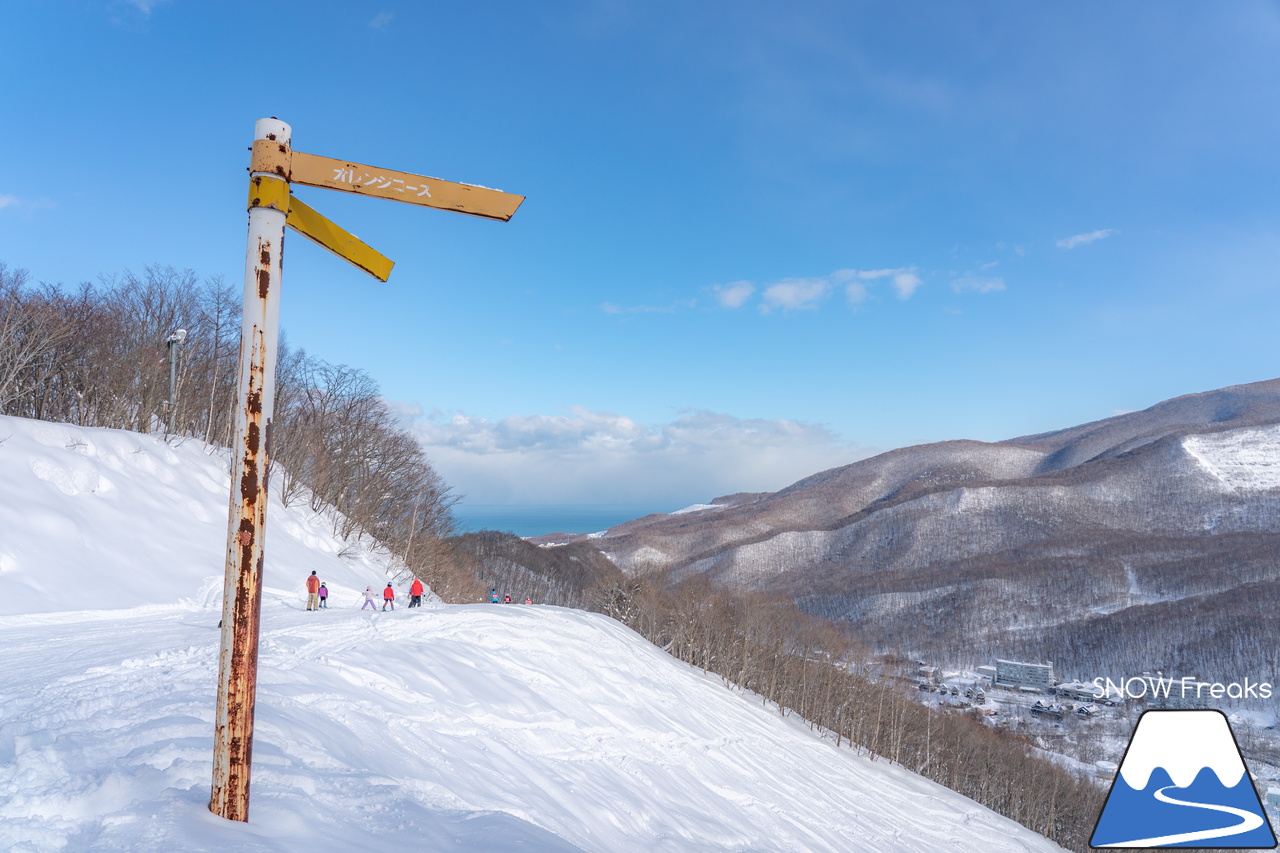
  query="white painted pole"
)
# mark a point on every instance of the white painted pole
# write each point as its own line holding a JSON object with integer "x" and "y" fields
{"x": 242, "y": 592}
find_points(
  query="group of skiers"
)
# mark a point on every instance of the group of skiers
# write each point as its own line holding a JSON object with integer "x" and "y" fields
{"x": 506, "y": 599}
{"x": 318, "y": 595}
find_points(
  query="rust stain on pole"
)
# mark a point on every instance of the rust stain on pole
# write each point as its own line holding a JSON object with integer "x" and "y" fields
{"x": 242, "y": 602}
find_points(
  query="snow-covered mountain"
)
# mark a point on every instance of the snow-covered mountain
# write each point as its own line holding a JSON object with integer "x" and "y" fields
{"x": 1161, "y": 527}
{"x": 460, "y": 728}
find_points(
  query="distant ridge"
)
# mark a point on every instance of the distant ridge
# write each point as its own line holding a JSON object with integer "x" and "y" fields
{"x": 1227, "y": 408}
{"x": 1044, "y": 545}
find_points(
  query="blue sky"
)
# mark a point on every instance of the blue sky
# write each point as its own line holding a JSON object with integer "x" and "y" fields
{"x": 759, "y": 240}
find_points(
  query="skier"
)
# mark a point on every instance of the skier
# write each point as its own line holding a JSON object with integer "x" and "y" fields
{"x": 506, "y": 599}
{"x": 415, "y": 593}
{"x": 528, "y": 601}
{"x": 493, "y": 596}
{"x": 324, "y": 597}
{"x": 313, "y": 587}
{"x": 368, "y": 599}
{"x": 388, "y": 598}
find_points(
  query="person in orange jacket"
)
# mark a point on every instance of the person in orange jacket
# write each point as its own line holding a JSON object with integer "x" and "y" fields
{"x": 415, "y": 593}
{"x": 388, "y": 598}
{"x": 313, "y": 592}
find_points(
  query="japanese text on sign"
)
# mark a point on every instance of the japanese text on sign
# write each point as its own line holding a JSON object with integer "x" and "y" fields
{"x": 314, "y": 171}
{"x": 348, "y": 176}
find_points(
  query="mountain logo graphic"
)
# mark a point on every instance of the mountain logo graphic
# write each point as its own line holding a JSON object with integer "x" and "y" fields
{"x": 1183, "y": 783}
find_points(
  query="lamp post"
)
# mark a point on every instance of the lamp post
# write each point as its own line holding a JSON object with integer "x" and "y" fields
{"x": 171, "y": 404}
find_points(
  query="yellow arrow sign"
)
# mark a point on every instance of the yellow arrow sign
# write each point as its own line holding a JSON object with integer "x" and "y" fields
{"x": 310, "y": 224}
{"x": 315, "y": 171}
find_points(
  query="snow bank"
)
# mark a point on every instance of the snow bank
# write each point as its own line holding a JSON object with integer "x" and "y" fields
{"x": 96, "y": 518}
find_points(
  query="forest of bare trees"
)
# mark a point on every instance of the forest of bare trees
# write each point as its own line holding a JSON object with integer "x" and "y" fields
{"x": 98, "y": 355}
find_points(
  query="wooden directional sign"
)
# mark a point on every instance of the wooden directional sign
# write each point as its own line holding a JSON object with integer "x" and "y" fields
{"x": 306, "y": 221}
{"x": 314, "y": 171}
{"x": 268, "y": 192}
{"x": 276, "y": 167}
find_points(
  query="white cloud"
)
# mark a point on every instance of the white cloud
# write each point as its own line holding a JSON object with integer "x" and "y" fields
{"x": 977, "y": 284}
{"x": 598, "y": 457}
{"x": 905, "y": 281}
{"x": 1085, "y": 239}
{"x": 733, "y": 294}
{"x": 381, "y": 20}
{"x": 794, "y": 294}
{"x": 8, "y": 201}
{"x": 407, "y": 413}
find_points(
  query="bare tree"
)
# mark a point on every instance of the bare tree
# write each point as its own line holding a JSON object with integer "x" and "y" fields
{"x": 31, "y": 330}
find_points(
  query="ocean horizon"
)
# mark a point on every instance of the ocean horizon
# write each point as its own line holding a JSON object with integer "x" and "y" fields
{"x": 528, "y": 520}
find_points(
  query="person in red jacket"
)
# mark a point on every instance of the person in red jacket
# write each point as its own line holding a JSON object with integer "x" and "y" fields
{"x": 313, "y": 592}
{"x": 415, "y": 593}
{"x": 388, "y": 598}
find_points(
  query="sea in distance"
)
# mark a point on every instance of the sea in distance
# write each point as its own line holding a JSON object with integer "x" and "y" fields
{"x": 538, "y": 520}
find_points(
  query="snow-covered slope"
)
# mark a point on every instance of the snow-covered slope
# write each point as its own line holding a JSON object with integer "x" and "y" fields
{"x": 460, "y": 728}
{"x": 1241, "y": 459}
{"x": 98, "y": 519}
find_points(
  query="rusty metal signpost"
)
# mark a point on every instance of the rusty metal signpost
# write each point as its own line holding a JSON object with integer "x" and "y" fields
{"x": 274, "y": 167}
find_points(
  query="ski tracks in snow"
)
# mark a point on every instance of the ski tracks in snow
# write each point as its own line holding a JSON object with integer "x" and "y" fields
{"x": 476, "y": 728}
{"x": 125, "y": 720}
